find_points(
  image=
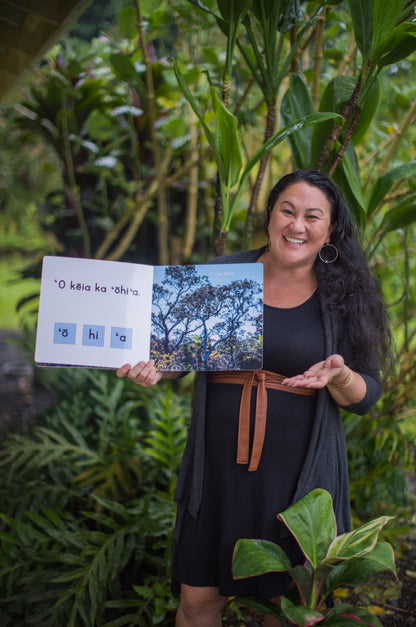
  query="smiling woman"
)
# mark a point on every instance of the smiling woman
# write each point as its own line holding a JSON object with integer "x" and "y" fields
{"x": 261, "y": 440}
{"x": 299, "y": 226}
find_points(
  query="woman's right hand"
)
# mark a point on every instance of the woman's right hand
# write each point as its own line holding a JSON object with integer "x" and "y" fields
{"x": 144, "y": 373}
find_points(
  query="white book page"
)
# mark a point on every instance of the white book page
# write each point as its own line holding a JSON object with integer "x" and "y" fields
{"x": 93, "y": 313}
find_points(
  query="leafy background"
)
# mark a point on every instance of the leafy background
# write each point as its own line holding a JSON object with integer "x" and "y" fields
{"x": 152, "y": 134}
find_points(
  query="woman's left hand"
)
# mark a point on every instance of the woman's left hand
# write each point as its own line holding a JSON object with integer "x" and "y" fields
{"x": 320, "y": 374}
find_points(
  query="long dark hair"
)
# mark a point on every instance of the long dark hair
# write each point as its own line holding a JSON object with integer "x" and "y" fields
{"x": 348, "y": 288}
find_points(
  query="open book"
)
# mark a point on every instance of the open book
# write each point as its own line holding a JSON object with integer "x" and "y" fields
{"x": 103, "y": 314}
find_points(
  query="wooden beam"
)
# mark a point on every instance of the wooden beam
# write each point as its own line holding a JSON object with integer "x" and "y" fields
{"x": 54, "y": 11}
{"x": 13, "y": 63}
{"x": 46, "y": 23}
{"x": 47, "y": 9}
{"x": 24, "y": 40}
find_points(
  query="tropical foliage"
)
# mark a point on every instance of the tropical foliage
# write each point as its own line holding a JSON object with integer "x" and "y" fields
{"x": 156, "y": 142}
{"x": 330, "y": 561}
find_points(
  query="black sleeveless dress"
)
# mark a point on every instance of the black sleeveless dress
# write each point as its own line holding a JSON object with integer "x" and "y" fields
{"x": 237, "y": 503}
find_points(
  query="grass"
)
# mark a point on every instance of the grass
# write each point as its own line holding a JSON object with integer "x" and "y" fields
{"x": 13, "y": 290}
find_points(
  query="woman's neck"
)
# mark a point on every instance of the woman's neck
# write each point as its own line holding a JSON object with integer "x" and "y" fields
{"x": 286, "y": 287}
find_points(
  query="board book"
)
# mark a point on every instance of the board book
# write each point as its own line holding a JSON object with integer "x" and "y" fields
{"x": 103, "y": 314}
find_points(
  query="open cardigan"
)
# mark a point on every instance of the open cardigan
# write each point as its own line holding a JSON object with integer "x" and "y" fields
{"x": 325, "y": 465}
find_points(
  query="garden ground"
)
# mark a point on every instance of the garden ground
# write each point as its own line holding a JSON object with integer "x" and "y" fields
{"x": 394, "y": 601}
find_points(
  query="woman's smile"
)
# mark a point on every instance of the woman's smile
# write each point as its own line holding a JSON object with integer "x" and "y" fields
{"x": 300, "y": 224}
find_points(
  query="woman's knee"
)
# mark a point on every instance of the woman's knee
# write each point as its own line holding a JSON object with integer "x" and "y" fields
{"x": 200, "y": 600}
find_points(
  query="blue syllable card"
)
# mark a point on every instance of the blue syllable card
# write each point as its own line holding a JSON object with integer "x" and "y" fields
{"x": 103, "y": 314}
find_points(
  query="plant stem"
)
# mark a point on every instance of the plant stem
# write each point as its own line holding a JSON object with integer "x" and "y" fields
{"x": 163, "y": 226}
{"x": 72, "y": 190}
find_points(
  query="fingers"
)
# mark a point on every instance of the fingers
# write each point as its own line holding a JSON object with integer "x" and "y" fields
{"x": 318, "y": 375}
{"x": 123, "y": 371}
{"x": 144, "y": 373}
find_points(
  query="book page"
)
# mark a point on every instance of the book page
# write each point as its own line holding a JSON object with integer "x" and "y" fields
{"x": 93, "y": 313}
{"x": 208, "y": 317}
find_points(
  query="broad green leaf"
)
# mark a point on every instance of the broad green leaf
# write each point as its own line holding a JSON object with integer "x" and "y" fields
{"x": 299, "y": 615}
{"x": 358, "y": 542}
{"x": 297, "y": 103}
{"x": 301, "y": 576}
{"x": 386, "y": 181}
{"x": 149, "y": 7}
{"x": 368, "y": 108}
{"x": 312, "y": 521}
{"x": 99, "y": 126}
{"x": 347, "y": 176}
{"x": 228, "y": 145}
{"x": 386, "y": 17}
{"x": 233, "y": 10}
{"x": 127, "y": 23}
{"x": 402, "y": 215}
{"x": 256, "y": 557}
{"x": 123, "y": 66}
{"x": 358, "y": 570}
{"x": 195, "y": 107}
{"x": 283, "y": 134}
{"x": 344, "y": 615}
{"x": 399, "y": 44}
{"x": 362, "y": 20}
{"x": 267, "y": 607}
{"x": 335, "y": 96}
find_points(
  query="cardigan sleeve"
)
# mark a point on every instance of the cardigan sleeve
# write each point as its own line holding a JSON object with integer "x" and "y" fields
{"x": 372, "y": 395}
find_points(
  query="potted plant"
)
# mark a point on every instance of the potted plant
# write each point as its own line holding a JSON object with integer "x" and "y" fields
{"x": 330, "y": 561}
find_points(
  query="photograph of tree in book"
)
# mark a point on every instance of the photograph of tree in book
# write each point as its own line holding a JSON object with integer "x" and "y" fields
{"x": 207, "y": 317}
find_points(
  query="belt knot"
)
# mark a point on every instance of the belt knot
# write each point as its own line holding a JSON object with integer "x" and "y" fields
{"x": 262, "y": 379}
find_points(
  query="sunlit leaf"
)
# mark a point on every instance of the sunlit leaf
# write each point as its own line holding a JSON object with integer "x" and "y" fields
{"x": 256, "y": 557}
{"x": 312, "y": 522}
{"x": 358, "y": 542}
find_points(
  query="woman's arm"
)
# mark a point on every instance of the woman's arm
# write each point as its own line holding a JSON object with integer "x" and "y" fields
{"x": 345, "y": 386}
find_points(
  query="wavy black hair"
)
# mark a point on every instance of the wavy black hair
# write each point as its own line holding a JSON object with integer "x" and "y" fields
{"x": 348, "y": 288}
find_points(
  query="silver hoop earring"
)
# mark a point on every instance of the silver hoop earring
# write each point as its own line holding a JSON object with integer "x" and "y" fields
{"x": 333, "y": 253}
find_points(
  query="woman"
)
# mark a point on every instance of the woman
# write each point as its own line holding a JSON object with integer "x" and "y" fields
{"x": 326, "y": 334}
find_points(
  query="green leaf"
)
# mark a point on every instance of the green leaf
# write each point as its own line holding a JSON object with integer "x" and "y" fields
{"x": 195, "y": 108}
{"x": 127, "y": 23}
{"x": 312, "y": 521}
{"x": 334, "y": 98}
{"x": 123, "y": 66}
{"x": 368, "y": 108}
{"x": 386, "y": 18}
{"x": 398, "y": 45}
{"x": 344, "y": 615}
{"x": 362, "y": 21}
{"x": 233, "y": 10}
{"x": 347, "y": 176}
{"x": 297, "y": 103}
{"x": 401, "y": 216}
{"x": 299, "y": 615}
{"x": 256, "y": 557}
{"x": 386, "y": 181}
{"x": 358, "y": 542}
{"x": 284, "y": 133}
{"x": 358, "y": 570}
{"x": 229, "y": 147}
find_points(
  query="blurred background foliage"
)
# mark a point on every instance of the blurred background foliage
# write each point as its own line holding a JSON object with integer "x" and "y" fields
{"x": 152, "y": 134}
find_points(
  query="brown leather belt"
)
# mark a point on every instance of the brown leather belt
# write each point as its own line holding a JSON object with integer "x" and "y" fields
{"x": 262, "y": 379}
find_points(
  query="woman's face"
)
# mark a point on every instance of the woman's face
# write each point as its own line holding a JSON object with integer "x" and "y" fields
{"x": 300, "y": 224}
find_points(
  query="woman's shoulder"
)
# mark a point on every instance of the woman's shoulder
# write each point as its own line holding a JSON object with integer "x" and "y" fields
{"x": 244, "y": 256}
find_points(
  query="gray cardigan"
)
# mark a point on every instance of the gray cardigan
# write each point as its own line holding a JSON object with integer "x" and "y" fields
{"x": 325, "y": 465}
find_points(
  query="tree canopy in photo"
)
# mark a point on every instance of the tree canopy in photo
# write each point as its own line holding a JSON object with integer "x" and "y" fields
{"x": 200, "y": 325}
